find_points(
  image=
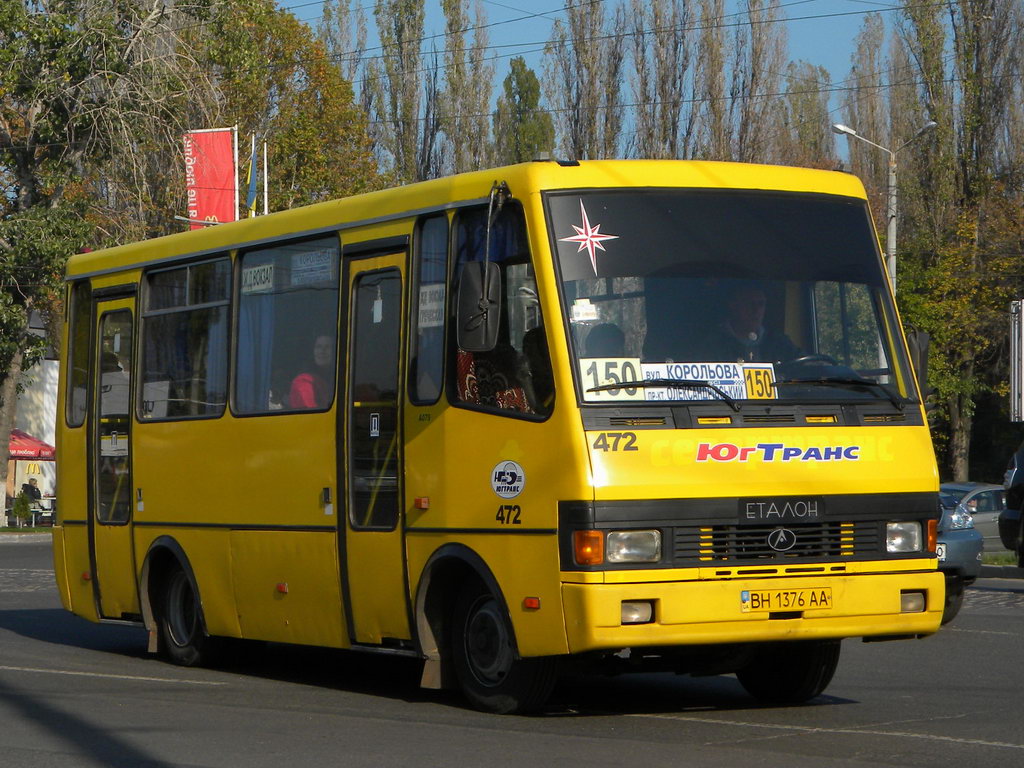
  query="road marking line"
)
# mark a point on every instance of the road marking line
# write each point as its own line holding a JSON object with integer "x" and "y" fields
{"x": 980, "y": 631}
{"x": 112, "y": 677}
{"x": 849, "y": 731}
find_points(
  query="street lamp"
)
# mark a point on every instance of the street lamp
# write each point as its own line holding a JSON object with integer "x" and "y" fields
{"x": 890, "y": 231}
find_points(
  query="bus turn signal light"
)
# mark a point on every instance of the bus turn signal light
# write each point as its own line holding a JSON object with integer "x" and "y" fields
{"x": 588, "y": 547}
{"x": 933, "y": 534}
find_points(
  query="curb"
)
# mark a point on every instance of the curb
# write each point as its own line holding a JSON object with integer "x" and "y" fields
{"x": 24, "y": 538}
{"x": 1001, "y": 572}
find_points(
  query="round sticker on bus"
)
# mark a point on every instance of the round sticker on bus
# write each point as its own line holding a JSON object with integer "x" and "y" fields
{"x": 508, "y": 479}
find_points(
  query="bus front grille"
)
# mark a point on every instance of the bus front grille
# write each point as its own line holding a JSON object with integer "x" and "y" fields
{"x": 719, "y": 544}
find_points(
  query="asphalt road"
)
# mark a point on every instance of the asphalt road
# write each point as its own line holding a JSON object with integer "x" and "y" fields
{"x": 76, "y": 694}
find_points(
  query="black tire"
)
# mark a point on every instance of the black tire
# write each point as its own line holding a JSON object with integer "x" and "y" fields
{"x": 492, "y": 677}
{"x": 790, "y": 673}
{"x": 954, "y": 598}
{"x": 183, "y": 638}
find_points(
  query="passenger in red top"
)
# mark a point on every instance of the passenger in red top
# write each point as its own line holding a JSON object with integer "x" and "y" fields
{"x": 313, "y": 389}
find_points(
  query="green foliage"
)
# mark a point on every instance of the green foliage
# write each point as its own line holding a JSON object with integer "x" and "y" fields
{"x": 22, "y": 507}
{"x": 521, "y": 130}
{"x": 278, "y": 82}
{"x": 37, "y": 242}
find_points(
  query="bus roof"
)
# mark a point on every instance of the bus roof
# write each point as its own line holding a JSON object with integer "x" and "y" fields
{"x": 452, "y": 191}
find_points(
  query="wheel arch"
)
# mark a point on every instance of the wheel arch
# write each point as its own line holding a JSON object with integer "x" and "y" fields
{"x": 164, "y": 554}
{"x": 445, "y": 574}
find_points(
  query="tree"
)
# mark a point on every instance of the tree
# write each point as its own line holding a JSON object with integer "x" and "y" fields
{"x": 714, "y": 133}
{"x": 84, "y": 85}
{"x": 865, "y": 108}
{"x": 963, "y": 243}
{"x": 805, "y": 137}
{"x": 583, "y": 84}
{"x": 403, "y": 104}
{"x": 660, "y": 34}
{"x": 342, "y": 30}
{"x": 466, "y": 101}
{"x": 760, "y": 55}
{"x": 522, "y": 130}
{"x": 277, "y": 81}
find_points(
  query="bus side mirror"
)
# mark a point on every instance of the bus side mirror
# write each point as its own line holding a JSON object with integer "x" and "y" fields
{"x": 478, "y": 309}
{"x": 918, "y": 341}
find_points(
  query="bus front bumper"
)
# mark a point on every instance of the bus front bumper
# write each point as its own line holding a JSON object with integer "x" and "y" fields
{"x": 753, "y": 610}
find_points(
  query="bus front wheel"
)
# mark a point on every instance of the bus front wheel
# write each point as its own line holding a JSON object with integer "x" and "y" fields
{"x": 183, "y": 639}
{"x": 790, "y": 673}
{"x": 492, "y": 678}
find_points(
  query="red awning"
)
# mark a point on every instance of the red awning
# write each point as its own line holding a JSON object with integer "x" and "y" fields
{"x": 24, "y": 446}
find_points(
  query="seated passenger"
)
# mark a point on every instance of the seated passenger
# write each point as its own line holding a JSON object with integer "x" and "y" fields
{"x": 313, "y": 388}
{"x": 605, "y": 340}
{"x": 742, "y": 336}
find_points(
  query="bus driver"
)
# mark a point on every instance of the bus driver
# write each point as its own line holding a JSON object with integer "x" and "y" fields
{"x": 742, "y": 335}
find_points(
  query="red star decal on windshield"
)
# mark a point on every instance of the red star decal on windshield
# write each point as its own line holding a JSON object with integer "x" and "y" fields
{"x": 588, "y": 237}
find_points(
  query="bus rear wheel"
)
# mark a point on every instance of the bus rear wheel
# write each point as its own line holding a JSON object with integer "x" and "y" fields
{"x": 491, "y": 676}
{"x": 790, "y": 673}
{"x": 183, "y": 639}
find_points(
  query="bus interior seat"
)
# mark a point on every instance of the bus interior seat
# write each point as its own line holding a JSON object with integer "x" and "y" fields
{"x": 492, "y": 379}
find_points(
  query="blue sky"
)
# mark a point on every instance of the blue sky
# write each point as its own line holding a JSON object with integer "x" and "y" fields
{"x": 819, "y": 31}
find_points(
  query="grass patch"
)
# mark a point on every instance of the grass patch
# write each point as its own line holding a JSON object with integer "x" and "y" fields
{"x": 999, "y": 558}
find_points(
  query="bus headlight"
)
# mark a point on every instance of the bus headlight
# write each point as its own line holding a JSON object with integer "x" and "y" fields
{"x": 903, "y": 537}
{"x": 633, "y": 546}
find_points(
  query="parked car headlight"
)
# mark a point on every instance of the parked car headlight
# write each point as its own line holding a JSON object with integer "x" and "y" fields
{"x": 960, "y": 518}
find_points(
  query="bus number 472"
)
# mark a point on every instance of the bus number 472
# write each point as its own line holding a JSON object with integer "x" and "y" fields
{"x": 508, "y": 514}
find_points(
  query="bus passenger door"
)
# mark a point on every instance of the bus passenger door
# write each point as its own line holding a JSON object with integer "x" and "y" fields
{"x": 373, "y": 550}
{"x": 110, "y": 502}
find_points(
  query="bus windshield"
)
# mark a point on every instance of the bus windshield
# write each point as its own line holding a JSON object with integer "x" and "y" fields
{"x": 712, "y": 295}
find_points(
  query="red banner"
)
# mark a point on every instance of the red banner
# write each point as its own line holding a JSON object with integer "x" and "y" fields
{"x": 210, "y": 179}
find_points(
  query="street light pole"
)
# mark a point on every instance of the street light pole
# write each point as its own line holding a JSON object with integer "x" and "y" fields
{"x": 892, "y": 190}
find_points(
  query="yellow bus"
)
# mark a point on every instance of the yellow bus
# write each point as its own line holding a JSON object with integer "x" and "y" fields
{"x": 628, "y": 414}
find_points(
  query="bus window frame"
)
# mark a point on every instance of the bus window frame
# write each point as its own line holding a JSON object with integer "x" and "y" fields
{"x": 414, "y": 307}
{"x": 888, "y": 314}
{"x": 451, "y": 342}
{"x": 345, "y": 413}
{"x": 238, "y": 254}
{"x": 143, "y": 315}
{"x": 72, "y": 323}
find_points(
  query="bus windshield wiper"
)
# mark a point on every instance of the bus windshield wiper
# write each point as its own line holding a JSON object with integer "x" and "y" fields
{"x": 847, "y": 381}
{"x": 670, "y": 383}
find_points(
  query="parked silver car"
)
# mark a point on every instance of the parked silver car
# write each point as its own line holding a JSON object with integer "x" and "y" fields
{"x": 959, "y": 551}
{"x": 985, "y": 502}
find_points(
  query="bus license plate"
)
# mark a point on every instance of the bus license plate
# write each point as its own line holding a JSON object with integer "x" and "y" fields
{"x": 754, "y": 600}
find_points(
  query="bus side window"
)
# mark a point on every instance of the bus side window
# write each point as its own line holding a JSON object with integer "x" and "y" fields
{"x": 426, "y": 363}
{"x": 185, "y": 341}
{"x": 78, "y": 354}
{"x": 516, "y": 375}
{"x": 287, "y": 327}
